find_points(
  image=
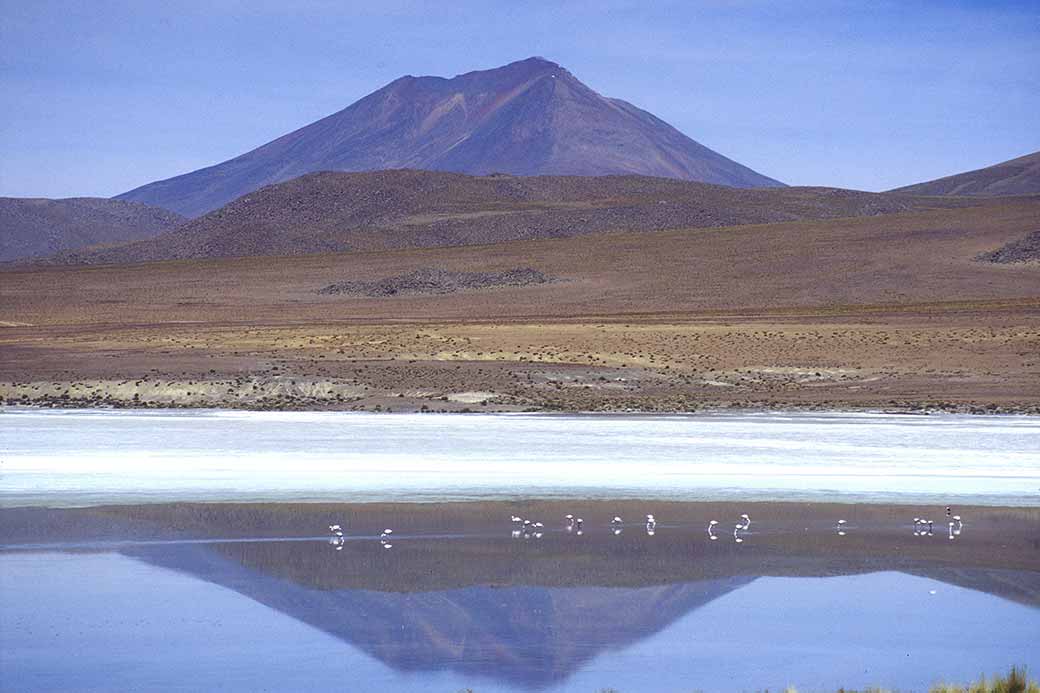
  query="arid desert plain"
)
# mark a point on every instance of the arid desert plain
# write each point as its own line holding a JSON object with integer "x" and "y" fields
{"x": 890, "y": 312}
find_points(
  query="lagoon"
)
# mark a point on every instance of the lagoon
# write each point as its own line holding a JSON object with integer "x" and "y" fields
{"x": 189, "y": 550}
{"x": 160, "y": 598}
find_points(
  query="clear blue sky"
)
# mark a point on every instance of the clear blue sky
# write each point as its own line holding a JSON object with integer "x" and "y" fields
{"x": 99, "y": 96}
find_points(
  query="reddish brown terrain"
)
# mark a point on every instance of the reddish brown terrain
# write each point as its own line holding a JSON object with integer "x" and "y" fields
{"x": 886, "y": 311}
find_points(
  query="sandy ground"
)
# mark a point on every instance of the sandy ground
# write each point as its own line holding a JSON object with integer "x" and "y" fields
{"x": 941, "y": 361}
{"x": 890, "y": 312}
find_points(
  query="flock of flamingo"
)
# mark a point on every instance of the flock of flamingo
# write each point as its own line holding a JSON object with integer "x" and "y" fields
{"x": 954, "y": 525}
{"x": 338, "y": 540}
{"x": 529, "y": 529}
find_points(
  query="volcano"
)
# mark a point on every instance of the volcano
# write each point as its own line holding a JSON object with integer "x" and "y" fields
{"x": 531, "y": 117}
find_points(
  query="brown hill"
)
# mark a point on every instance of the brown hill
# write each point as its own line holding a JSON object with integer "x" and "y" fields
{"x": 34, "y": 227}
{"x": 530, "y": 117}
{"x": 333, "y": 212}
{"x": 1019, "y": 176}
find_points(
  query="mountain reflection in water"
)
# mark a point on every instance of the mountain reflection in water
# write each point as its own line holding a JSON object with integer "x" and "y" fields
{"x": 479, "y": 609}
{"x": 526, "y": 635}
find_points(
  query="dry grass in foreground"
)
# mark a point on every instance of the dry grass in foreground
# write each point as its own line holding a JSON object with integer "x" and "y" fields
{"x": 1016, "y": 681}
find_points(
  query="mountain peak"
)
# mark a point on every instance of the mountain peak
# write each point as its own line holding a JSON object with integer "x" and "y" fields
{"x": 538, "y": 62}
{"x": 534, "y": 60}
{"x": 535, "y": 63}
{"x": 528, "y": 117}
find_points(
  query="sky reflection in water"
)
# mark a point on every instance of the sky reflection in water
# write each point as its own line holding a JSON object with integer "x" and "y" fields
{"x": 186, "y": 616}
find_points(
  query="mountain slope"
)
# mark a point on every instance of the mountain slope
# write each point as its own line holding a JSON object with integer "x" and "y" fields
{"x": 1019, "y": 176}
{"x": 377, "y": 210}
{"x": 527, "y": 118}
{"x": 34, "y": 227}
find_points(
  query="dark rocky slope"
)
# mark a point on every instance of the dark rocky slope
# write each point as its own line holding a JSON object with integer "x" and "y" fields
{"x": 34, "y": 227}
{"x": 1019, "y": 176}
{"x": 335, "y": 212}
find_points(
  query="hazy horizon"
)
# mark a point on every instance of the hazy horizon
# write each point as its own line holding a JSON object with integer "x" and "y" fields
{"x": 105, "y": 97}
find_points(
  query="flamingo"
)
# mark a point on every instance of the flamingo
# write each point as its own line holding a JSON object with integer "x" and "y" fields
{"x": 337, "y": 537}
{"x": 711, "y": 530}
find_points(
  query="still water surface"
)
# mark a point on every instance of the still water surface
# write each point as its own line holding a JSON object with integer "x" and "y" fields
{"x": 262, "y": 597}
{"x": 194, "y": 620}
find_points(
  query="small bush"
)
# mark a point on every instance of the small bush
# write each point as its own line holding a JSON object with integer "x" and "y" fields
{"x": 1016, "y": 681}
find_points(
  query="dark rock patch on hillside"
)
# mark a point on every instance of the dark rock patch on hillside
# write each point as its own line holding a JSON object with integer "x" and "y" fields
{"x": 436, "y": 281}
{"x": 1025, "y": 249}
